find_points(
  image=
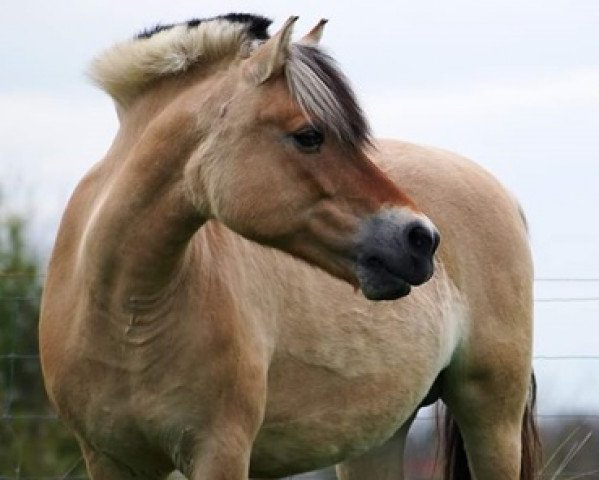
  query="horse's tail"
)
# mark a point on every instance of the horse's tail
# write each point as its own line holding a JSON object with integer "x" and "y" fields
{"x": 456, "y": 464}
{"x": 531, "y": 440}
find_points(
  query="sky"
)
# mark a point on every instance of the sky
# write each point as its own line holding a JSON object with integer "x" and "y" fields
{"x": 514, "y": 85}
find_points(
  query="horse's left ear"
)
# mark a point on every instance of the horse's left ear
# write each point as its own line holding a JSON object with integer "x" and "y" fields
{"x": 313, "y": 36}
{"x": 269, "y": 59}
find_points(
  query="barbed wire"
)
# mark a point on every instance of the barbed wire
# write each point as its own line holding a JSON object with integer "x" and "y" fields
{"x": 566, "y": 357}
{"x": 21, "y": 274}
{"x": 545, "y": 416}
{"x": 537, "y": 300}
{"x": 566, "y": 279}
{"x": 57, "y": 477}
{"x": 566, "y": 299}
{"x": 34, "y": 356}
{"x": 537, "y": 279}
{"x": 569, "y": 299}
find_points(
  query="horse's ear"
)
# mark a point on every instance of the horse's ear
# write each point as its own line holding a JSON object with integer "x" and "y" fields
{"x": 269, "y": 59}
{"x": 313, "y": 36}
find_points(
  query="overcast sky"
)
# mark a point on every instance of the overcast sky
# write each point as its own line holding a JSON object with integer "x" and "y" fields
{"x": 513, "y": 85}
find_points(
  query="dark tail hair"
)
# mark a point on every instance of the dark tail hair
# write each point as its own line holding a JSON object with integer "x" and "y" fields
{"x": 456, "y": 464}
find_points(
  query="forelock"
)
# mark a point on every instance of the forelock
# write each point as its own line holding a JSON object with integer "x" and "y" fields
{"x": 323, "y": 92}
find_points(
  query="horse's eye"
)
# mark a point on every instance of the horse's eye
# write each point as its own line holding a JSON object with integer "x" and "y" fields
{"x": 308, "y": 139}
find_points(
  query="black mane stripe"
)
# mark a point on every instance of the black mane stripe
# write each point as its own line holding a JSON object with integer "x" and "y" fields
{"x": 257, "y": 25}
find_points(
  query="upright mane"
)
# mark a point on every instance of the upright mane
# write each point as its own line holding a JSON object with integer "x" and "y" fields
{"x": 129, "y": 67}
{"x": 315, "y": 82}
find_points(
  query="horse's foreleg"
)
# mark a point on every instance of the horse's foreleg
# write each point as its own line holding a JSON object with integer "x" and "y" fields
{"x": 381, "y": 463}
{"x": 222, "y": 445}
{"x": 222, "y": 459}
{"x": 221, "y": 448}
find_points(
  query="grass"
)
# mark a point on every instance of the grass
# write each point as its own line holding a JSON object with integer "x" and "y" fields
{"x": 568, "y": 449}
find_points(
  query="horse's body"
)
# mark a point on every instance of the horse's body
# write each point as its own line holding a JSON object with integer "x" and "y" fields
{"x": 169, "y": 341}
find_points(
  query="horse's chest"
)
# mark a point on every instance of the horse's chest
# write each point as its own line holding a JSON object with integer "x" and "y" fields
{"x": 346, "y": 388}
{"x": 322, "y": 418}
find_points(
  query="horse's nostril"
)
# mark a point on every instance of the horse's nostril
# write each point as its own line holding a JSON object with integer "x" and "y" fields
{"x": 422, "y": 241}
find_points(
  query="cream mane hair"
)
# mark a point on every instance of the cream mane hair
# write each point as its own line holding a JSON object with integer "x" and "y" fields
{"x": 127, "y": 68}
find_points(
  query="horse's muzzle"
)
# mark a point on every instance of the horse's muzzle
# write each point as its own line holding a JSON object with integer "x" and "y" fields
{"x": 395, "y": 251}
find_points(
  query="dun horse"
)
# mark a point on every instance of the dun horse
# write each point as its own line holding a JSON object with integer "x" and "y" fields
{"x": 211, "y": 301}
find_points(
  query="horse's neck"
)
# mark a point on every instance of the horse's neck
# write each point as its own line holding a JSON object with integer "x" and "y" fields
{"x": 142, "y": 220}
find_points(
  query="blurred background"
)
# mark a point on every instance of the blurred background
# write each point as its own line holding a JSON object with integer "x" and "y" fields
{"x": 513, "y": 85}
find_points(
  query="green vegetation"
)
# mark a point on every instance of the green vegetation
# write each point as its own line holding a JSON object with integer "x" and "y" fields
{"x": 32, "y": 442}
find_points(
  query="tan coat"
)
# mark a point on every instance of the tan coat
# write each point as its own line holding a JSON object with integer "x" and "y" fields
{"x": 169, "y": 341}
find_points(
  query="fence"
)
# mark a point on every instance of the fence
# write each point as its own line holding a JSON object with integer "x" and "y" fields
{"x": 24, "y": 422}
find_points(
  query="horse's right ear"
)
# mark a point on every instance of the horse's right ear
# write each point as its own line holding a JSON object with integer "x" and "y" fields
{"x": 269, "y": 58}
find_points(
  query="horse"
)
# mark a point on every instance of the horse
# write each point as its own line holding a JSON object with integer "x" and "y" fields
{"x": 249, "y": 285}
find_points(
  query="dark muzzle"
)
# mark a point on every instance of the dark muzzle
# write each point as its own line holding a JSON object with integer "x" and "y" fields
{"x": 394, "y": 254}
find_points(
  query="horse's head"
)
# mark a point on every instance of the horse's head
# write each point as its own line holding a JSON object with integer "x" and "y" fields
{"x": 283, "y": 163}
